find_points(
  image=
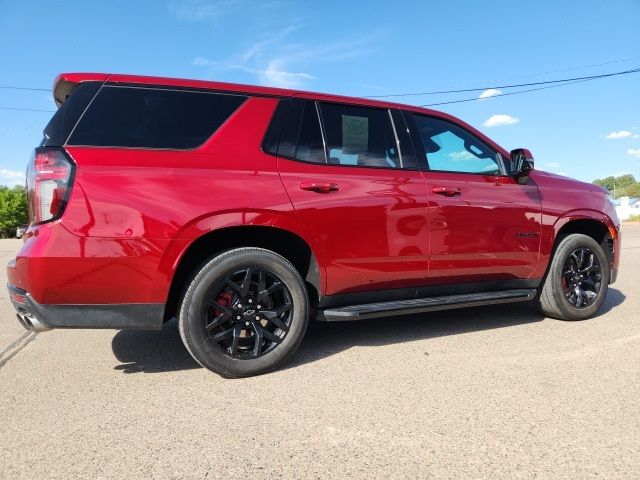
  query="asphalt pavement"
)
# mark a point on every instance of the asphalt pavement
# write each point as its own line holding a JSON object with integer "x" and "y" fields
{"x": 488, "y": 392}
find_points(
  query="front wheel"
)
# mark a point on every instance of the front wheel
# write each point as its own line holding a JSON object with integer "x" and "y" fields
{"x": 578, "y": 279}
{"x": 244, "y": 313}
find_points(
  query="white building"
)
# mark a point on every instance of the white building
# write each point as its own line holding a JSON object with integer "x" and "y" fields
{"x": 627, "y": 206}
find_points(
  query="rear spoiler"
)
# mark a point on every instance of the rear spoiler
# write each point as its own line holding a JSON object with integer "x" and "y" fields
{"x": 64, "y": 84}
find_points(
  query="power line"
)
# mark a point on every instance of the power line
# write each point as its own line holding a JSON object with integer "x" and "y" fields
{"x": 27, "y": 109}
{"x": 473, "y": 99}
{"x": 479, "y": 89}
{"x": 548, "y": 84}
{"x": 568, "y": 69}
{"x": 11, "y": 87}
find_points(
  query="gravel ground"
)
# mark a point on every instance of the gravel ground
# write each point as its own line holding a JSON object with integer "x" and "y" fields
{"x": 491, "y": 392}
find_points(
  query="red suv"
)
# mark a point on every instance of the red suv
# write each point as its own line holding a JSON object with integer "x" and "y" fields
{"x": 245, "y": 211}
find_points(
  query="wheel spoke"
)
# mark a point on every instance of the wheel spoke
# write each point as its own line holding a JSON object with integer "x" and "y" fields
{"x": 246, "y": 282}
{"x": 226, "y": 311}
{"x": 278, "y": 323}
{"x": 274, "y": 316}
{"x": 579, "y": 296}
{"x": 223, "y": 335}
{"x": 237, "y": 330}
{"x": 576, "y": 261}
{"x": 593, "y": 268}
{"x": 216, "y": 322}
{"x": 233, "y": 285}
{"x": 589, "y": 266}
{"x": 264, "y": 294}
{"x": 268, "y": 335}
{"x": 258, "y": 337}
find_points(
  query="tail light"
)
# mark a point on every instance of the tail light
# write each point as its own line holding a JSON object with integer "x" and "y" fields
{"x": 49, "y": 178}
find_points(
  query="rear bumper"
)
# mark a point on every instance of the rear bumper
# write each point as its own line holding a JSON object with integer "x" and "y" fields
{"x": 57, "y": 267}
{"x": 40, "y": 318}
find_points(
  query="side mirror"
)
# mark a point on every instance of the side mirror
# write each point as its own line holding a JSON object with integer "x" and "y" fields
{"x": 521, "y": 164}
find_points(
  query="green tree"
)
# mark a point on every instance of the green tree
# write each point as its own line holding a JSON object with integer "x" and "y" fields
{"x": 620, "y": 186}
{"x": 625, "y": 180}
{"x": 13, "y": 209}
{"x": 607, "y": 182}
{"x": 633, "y": 190}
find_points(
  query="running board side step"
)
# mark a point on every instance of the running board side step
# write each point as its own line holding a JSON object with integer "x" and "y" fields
{"x": 420, "y": 305}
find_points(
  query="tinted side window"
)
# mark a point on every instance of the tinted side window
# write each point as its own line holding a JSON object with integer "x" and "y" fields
{"x": 274, "y": 131}
{"x": 59, "y": 127}
{"x": 310, "y": 146}
{"x": 359, "y": 136}
{"x": 153, "y": 117}
{"x": 291, "y": 130}
{"x": 450, "y": 148}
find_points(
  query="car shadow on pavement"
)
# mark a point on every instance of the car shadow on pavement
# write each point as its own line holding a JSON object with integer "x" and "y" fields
{"x": 152, "y": 351}
{"x": 163, "y": 351}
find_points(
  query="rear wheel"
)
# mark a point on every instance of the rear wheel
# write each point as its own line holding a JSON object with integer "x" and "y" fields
{"x": 578, "y": 279}
{"x": 244, "y": 313}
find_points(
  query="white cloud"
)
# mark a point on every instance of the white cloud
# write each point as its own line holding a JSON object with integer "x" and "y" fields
{"x": 553, "y": 165}
{"x": 199, "y": 10}
{"x": 564, "y": 174}
{"x": 634, "y": 152}
{"x": 274, "y": 75}
{"x": 463, "y": 155}
{"x": 11, "y": 177}
{"x": 500, "y": 119}
{"x": 277, "y": 60}
{"x": 203, "y": 62}
{"x": 618, "y": 134}
{"x": 259, "y": 47}
{"x": 491, "y": 92}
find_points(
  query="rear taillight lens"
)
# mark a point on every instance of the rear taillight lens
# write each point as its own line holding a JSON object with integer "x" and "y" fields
{"x": 49, "y": 177}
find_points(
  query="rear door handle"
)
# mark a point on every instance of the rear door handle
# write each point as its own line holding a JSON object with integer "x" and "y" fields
{"x": 320, "y": 187}
{"x": 446, "y": 191}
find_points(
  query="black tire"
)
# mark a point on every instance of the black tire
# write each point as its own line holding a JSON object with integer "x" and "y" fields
{"x": 236, "y": 355}
{"x": 557, "y": 298}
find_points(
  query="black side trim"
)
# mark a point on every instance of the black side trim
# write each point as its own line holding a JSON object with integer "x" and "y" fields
{"x": 409, "y": 161}
{"x": 422, "y": 292}
{"x": 419, "y": 305}
{"x": 130, "y": 316}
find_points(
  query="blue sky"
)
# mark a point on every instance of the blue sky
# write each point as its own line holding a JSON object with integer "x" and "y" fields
{"x": 356, "y": 48}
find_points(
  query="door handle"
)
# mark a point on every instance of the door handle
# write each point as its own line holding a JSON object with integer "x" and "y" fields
{"x": 446, "y": 191}
{"x": 320, "y": 187}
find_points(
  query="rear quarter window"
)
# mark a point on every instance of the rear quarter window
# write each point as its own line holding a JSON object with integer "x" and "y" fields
{"x": 141, "y": 117}
{"x": 61, "y": 124}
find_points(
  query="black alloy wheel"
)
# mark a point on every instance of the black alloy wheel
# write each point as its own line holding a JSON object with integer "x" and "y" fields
{"x": 249, "y": 313}
{"x": 582, "y": 278}
{"x": 577, "y": 281}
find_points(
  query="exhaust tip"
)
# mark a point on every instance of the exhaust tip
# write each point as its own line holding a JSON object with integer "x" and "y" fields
{"x": 23, "y": 322}
{"x": 29, "y": 322}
